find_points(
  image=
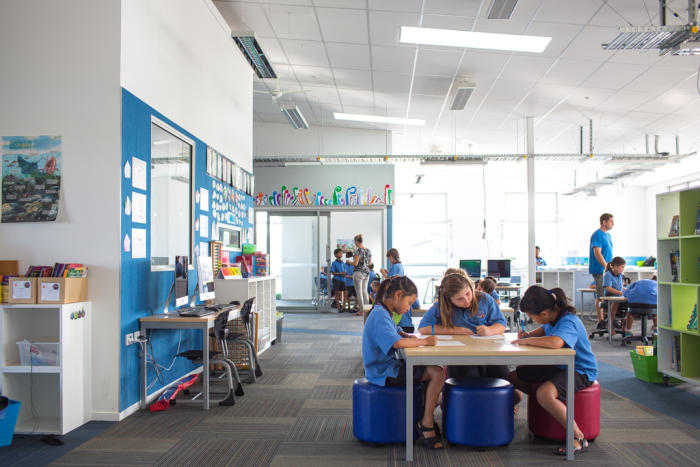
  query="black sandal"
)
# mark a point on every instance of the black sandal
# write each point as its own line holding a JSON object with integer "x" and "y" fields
{"x": 561, "y": 450}
{"x": 429, "y": 442}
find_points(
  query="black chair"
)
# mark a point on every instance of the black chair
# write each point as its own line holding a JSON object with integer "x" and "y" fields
{"x": 247, "y": 338}
{"x": 643, "y": 310}
{"x": 617, "y": 323}
{"x": 219, "y": 357}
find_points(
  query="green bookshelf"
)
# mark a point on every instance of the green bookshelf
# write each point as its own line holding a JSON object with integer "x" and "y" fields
{"x": 679, "y": 292}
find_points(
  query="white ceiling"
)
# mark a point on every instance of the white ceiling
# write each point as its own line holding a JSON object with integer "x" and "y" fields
{"x": 346, "y": 55}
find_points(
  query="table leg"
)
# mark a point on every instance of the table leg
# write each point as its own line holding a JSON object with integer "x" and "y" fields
{"x": 570, "y": 410}
{"x": 205, "y": 370}
{"x": 611, "y": 322}
{"x": 144, "y": 384}
{"x": 409, "y": 410}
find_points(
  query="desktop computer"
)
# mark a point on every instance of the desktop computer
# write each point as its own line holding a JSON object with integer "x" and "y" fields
{"x": 205, "y": 282}
{"x": 500, "y": 269}
{"x": 181, "y": 285}
{"x": 472, "y": 267}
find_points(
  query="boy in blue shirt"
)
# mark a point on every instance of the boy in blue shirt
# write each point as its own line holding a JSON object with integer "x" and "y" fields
{"x": 560, "y": 328}
{"x": 539, "y": 261}
{"x": 381, "y": 338}
{"x": 372, "y": 277}
{"x": 338, "y": 272}
{"x": 643, "y": 292}
{"x": 349, "y": 284}
{"x": 395, "y": 268}
{"x": 488, "y": 286}
{"x": 613, "y": 281}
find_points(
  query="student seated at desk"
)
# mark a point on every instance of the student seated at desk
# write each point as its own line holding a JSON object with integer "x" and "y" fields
{"x": 463, "y": 310}
{"x": 373, "y": 288}
{"x": 643, "y": 291}
{"x": 488, "y": 286}
{"x": 613, "y": 283}
{"x": 372, "y": 277}
{"x": 560, "y": 328}
{"x": 380, "y": 340}
{"x": 405, "y": 321}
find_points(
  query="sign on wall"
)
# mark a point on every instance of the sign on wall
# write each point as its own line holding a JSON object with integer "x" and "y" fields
{"x": 350, "y": 196}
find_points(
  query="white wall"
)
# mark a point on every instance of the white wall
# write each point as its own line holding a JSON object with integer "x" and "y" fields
{"x": 179, "y": 58}
{"x": 61, "y": 77}
{"x": 280, "y": 139}
{"x": 345, "y": 225}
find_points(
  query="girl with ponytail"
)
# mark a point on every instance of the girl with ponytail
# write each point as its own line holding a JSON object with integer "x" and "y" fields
{"x": 560, "y": 327}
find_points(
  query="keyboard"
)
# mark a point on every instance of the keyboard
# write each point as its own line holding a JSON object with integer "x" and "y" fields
{"x": 195, "y": 311}
{"x": 504, "y": 284}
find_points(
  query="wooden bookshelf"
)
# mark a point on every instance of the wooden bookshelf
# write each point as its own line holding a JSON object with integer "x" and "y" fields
{"x": 677, "y": 298}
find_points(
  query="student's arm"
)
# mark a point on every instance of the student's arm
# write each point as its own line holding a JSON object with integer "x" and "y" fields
{"x": 495, "y": 322}
{"x": 355, "y": 260}
{"x": 384, "y": 272}
{"x": 438, "y": 329}
{"x": 406, "y": 343}
{"x": 613, "y": 291}
{"x": 598, "y": 253}
{"x": 547, "y": 342}
{"x": 539, "y": 332}
{"x": 494, "y": 329}
{"x": 407, "y": 335}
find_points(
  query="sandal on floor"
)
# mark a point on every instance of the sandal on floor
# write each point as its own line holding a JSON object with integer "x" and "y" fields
{"x": 429, "y": 442}
{"x": 561, "y": 450}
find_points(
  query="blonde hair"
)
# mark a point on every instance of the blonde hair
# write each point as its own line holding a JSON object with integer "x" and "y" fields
{"x": 451, "y": 285}
{"x": 461, "y": 272}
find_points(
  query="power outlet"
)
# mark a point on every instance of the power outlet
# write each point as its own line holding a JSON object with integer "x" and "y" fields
{"x": 130, "y": 339}
{"x": 137, "y": 336}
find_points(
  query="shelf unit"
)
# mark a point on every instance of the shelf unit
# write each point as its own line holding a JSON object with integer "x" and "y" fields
{"x": 264, "y": 290}
{"x": 676, "y": 299}
{"x": 55, "y": 399}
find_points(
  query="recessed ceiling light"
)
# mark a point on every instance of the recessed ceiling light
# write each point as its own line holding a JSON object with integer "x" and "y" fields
{"x": 474, "y": 40}
{"x": 378, "y": 119}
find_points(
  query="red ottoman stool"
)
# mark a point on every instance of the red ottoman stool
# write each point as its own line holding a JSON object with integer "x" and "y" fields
{"x": 586, "y": 414}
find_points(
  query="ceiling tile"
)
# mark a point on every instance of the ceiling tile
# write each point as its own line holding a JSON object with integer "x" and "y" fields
{"x": 353, "y": 97}
{"x": 385, "y": 27}
{"x": 391, "y": 82}
{"x": 245, "y": 16}
{"x": 568, "y": 11}
{"x": 358, "y": 4}
{"x": 293, "y": 22}
{"x": 412, "y": 6}
{"x": 621, "y": 13}
{"x": 348, "y": 56}
{"x": 535, "y": 66}
{"x": 393, "y": 59}
{"x": 510, "y": 89}
{"x": 305, "y": 53}
{"x": 584, "y": 98}
{"x": 457, "y": 23}
{"x": 561, "y": 34}
{"x": 451, "y": 7}
{"x": 688, "y": 87}
{"x": 587, "y": 44}
{"x": 482, "y": 65}
{"x": 659, "y": 79}
{"x": 614, "y": 75}
{"x": 322, "y": 95}
{"x": 353, "y": 79}
{"x": 438, "y": 62}
{"x": 431, "y": 85}
{"x": 272, "y": 49}
{"x": 570, "y": 71}
{"x": 668, "y": 102}
{"x": 639, "y": 120}
{"x": 391, "y": 100}
{"x": 623, "y": 101}
{"x": 314, "y": 75}
{"x": 343, "y": 25}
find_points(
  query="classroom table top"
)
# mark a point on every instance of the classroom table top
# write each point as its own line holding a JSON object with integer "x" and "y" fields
{"x": 483, "y": 347}
{"x": 505, "y": 309}
{"x": 174, "y": 317}
{"x": 508, "y": 287}
{"x": 614, "y": 298}
{"x": 585, "y": 289}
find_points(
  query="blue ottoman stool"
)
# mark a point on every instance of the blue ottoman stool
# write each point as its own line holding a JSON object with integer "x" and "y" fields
{"x": 379, "y": 413}
{"x": 478, "y": 411}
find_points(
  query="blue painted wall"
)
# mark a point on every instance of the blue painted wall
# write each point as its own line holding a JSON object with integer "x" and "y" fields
{"x": 143, "y": 292}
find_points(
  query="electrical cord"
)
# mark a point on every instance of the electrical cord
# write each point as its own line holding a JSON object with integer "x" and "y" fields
{"x": 157, "y": 367}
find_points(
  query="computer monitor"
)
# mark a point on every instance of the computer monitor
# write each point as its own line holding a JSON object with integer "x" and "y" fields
{"x": 181, "y": 284}
{"x": 498, "y": 268}
{"x": 205, "y": 278}
{"x": 471, "y": 266}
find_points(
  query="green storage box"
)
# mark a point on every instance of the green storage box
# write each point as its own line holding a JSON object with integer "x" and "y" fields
{"x": 248, "y": 248}
{"x": 645, "y": 368}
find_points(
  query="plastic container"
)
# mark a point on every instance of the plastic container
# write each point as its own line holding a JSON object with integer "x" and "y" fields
{"x": 38, "y": 353}
{"x": 8, "y": 420}
{"x": 248, "y": 248}
{"x": 645, "y": 367}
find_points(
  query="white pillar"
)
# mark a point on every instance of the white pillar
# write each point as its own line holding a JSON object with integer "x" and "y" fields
{"x": 530, "y": 135}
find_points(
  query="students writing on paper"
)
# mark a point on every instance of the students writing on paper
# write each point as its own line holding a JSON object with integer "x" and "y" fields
{"x": 560, "y": 328}
{"x": 380, "y": 340}
{"x": 463, "y": 310}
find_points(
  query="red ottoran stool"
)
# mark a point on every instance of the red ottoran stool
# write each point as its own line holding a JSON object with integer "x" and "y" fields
{"x": 586, "y": 414}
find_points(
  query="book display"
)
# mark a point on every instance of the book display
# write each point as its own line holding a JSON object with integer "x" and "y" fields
{"x": 679, "y": 284}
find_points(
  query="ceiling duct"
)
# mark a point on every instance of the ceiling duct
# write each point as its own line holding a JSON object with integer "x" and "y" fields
{"x": 461, "y": 97}
{"x": 295, "y": 117}
{"x": 502, "y": 9}
{"x": 253, "y": 53}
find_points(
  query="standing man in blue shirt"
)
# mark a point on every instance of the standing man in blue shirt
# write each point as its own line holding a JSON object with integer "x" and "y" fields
{"x": 601, "y": 252}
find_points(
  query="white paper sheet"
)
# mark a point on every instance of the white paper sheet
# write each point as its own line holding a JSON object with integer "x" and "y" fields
{"x": 203, "y": 249}
{"x": 492, "y": 338}
{"x": 138, "y": 173}
{"x": 20, "y": 290}
{"x": 203, "y": 226}
{"x": 445, "y": 337}
{"x": 138, "y": 207}
{"x": 203, "y": 199}
{"x": 449, "y": 343}
{"x": 138, "y": 243}
{"x": 127, "y": 170}
{"x": 51, "y": 291}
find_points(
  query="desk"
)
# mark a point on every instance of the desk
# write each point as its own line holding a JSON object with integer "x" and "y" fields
{"x": 611, "y": 316}
{"x": 587, "y": 290}
{"x": 488, "y": 352}
{"x": 174, "y": 321}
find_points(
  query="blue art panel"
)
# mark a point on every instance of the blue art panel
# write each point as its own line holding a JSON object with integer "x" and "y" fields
{"x": 144, "y": 292}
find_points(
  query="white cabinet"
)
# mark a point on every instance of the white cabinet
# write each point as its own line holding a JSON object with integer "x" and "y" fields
{"x": 263, "y": 289}
{"x": 55, "y": 399}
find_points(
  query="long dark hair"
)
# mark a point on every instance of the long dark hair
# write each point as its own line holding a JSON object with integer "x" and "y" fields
{"x": 390, "y": 286}
{"x": 616, "y": 261}
{"x": 536, "y": 299}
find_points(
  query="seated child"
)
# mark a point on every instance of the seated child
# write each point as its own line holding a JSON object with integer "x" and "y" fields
{"x": 372, "y": 276}
{"x": 488, "y": 286}
{"x": 349, "y": 284}
{"x": 560, "y": 328}
{"x": 405, "y": 321}
{"x": 642, "y": 292}
{"x": 373, "y": 287}
{"x": 613, "y": 285}
{"x": 338, "y": 273}
{"x": 380, "y": 340}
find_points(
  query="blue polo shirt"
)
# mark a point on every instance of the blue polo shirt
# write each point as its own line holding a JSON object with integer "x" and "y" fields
{"x": 601, "y": 240}
{"x": 378, "y": 354}
{"x": 406, "y": 318}
{"x": 495, "y": 296}
{"x": 571, "y": 330}
{"x": 372, "y": 276}
{"x": 489, "y": 313}
{"x": 337, "y": 266}
{"x": 642, "y": 291}
{"x": 611, "y": 280}
{"x": 349, "y": 270}
{"x": 396, "y": 269}
{"x": 540, "y": 261}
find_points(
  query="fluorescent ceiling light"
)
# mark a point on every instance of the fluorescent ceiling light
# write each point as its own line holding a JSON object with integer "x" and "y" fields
{"x": 378, "y": 119}
{"x": 474, "y": 40}
{"x": 502, "y": 9}
{"x": 453, "y": 162}
{"x": 253, "y": 53}
{"x": 295, "y": 117}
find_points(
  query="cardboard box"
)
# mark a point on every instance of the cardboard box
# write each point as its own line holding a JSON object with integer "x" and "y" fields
{"x": 54, "y": 290}
{"x": 22, "y": 290}
{"x": 9, "y": 267}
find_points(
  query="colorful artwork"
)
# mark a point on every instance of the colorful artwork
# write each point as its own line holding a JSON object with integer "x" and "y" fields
{"x": 351, "y": 196}
{"x": 31, "y": 178}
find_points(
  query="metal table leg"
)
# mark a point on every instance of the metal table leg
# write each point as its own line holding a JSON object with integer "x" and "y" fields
{"x": 144, "y": 383}
{"x": 570, "y": 410}
{"x": 205, "y": 362}
{"x": 409, "y": 410}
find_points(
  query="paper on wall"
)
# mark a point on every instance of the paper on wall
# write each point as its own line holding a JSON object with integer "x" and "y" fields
{"x": 138, "y": 172}
{"x": 138, "y": 243}
{"x": 138, "y": 207}
{"x": 204, "y": 199}
{"x": 204, "y": 226}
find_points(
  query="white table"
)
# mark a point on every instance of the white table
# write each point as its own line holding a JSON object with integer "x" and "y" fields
{"x": 488, "y": 352}
{"x": 587, "y": 290}
{"x": 611, "y": 316}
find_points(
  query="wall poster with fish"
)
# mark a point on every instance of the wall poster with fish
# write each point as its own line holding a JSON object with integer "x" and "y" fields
{"x": 31, "y": 178}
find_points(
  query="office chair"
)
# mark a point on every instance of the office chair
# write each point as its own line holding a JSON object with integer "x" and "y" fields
{"x": 617, "y": 323}
{"x": 643, "y": 310}
{"x": 247, "y": 339}
{"x": 515, "y": 305}
{"x": 219, "y": 357}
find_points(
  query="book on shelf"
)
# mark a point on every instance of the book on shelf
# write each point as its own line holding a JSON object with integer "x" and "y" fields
{"x": 38, "y": 271}
{"x": 674, "y": 226}
{"x": 675, "y": 258}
